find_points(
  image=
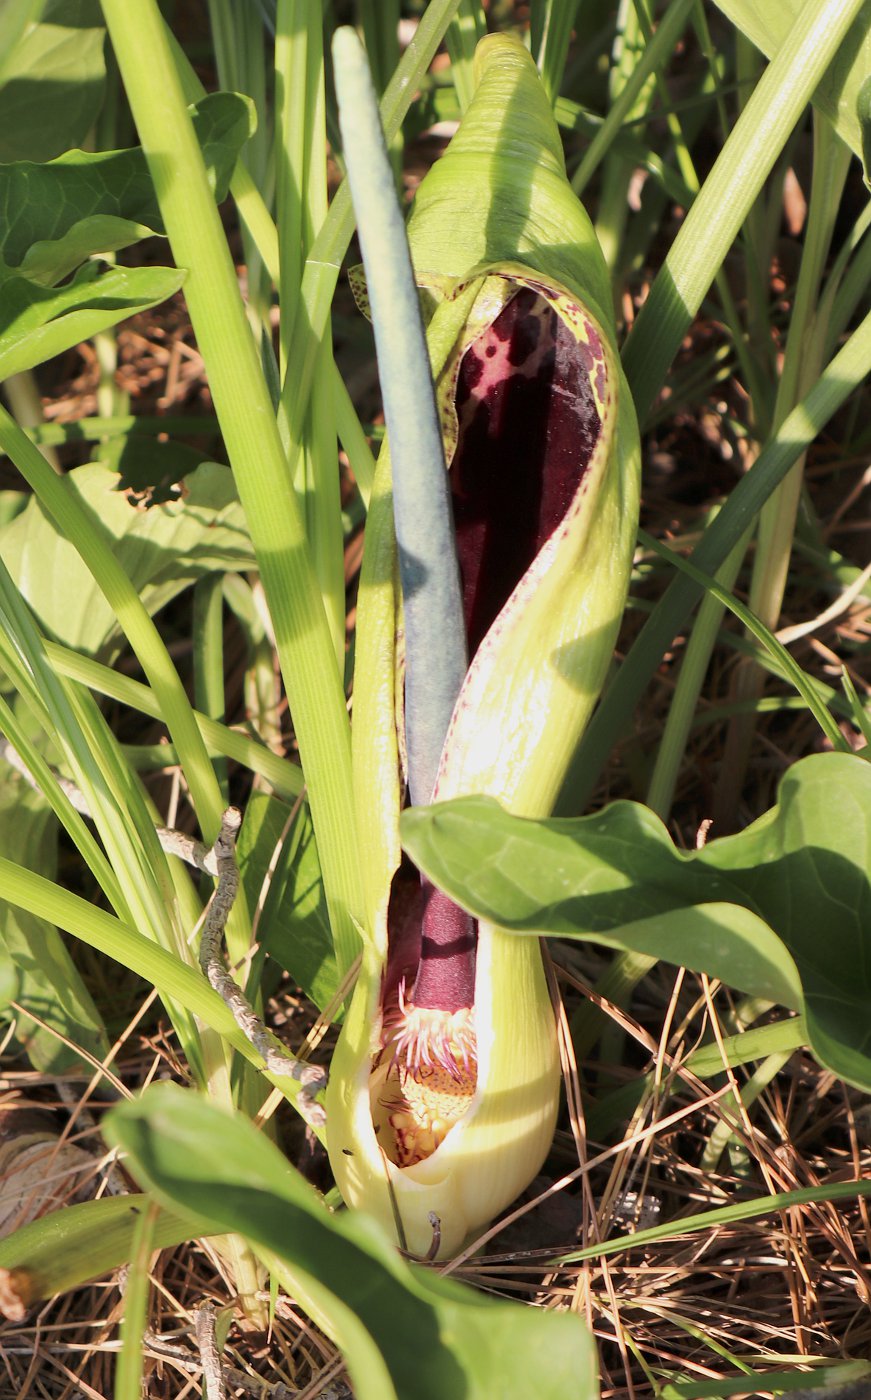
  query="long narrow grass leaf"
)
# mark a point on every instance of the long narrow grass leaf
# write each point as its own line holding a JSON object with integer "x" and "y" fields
{"x": 465, "y": 29}
{"x": 785, "y": 663}
{"x": 304, "y": 641}
{"x": 552, "y": 31}
{"x": 722, "y": 205}
{"x": 654, "y": 57}
{"x": 723, "y": 1215}
{"x": 128, "y": 1378}
{"x": 849, "y": 368}
{"x": 66, "y": 1248}
{"x": 117, "y": 940}
{"x": 285, "y": 777}
{"x": 832, "y": 1380}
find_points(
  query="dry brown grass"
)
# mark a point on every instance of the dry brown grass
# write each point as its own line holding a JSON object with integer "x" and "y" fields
{"x": 789, "y": 1288}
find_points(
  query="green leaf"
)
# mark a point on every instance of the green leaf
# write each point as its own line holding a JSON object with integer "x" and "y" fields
{"x": 16, "y": 16}
{"x": 176, "y": 981}
{"x": 806, "y": 866}
{"x": 37, "y": 322}
{"x": 844, "y": 373}
{"x": 60, "y": 500}
{"x": 294, "y": 926}
{"x": 706, "y": 1220}
{"x": 813, "y": 42}
{"x": 778, "y": 655}
{"x": 305, "y": 641}
{"x": 49, "y": 260}
{"x": 614, "y": 878}
{"x": 431, "y": 1337}
{"x": 12, "y": 503}
{"x": 863, "y": 112}
{"x": 781, "y": 910}
{"x": 36, "y": 970}
{"x": 55, "y": 216}
{"x": 161, "y": 549}
{"x": 70, "y": 1246}
{"x": 97, "y": 199}
{"x": 837, "y": 96}
{"x": 847, "y": 1381}
{"x": 137, "y": 1287}
{"x": 52, "y": 74}
{"x": 151, "y": 471}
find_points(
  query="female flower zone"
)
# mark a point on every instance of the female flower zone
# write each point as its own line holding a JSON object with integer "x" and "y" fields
{"x": 445, "y": 1083}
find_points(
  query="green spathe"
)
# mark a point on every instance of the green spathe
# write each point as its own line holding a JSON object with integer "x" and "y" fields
{"x": 495, "y": 214}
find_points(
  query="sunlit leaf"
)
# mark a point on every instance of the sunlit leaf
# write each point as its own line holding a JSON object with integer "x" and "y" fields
{"x": 39, "y": 322}
{"x": 92, "y": 202}
{"x": 162, "y": 549}
{"x": 781, "y": 910}
{"x": 81, "y": 1242}
{"x": 36, "y": 970}
{"x": 767, "y": 26}
{"x": 437, "y": 1340}
{"x": 52, "y": 76}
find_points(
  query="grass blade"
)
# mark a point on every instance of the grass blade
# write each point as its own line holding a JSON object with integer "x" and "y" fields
{"x": 850, "y": 366}
{"x": 784, "y": 662}
{"x": 728, "y": 194}
{"x": 723, "y": 1215}
{"x": 305, "y": 645}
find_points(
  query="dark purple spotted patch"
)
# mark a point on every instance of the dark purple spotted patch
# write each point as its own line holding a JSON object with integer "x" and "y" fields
{"x": 527, "y": 422}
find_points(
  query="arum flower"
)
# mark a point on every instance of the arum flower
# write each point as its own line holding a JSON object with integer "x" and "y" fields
{"x": 444, "y": 1085}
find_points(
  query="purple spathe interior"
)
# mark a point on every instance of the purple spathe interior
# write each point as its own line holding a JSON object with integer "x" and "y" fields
{"x": 527, "y": 426}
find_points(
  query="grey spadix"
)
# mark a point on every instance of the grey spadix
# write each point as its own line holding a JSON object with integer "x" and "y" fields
{"x": 445, "y": 1082}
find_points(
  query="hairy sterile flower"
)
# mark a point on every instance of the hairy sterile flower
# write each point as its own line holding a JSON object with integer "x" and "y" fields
{"x": 445, "y": 1081}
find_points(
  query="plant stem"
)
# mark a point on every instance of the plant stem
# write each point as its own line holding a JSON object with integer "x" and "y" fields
{"x": 301, "y": 200}
{"x": 801, "y": 365}
{"x": 465, "y": 29}
{"x": 435, "y": 636}
{"x": 305, "y": 646}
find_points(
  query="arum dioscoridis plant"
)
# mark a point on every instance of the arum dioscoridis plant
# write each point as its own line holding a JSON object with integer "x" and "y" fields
{"x": 444, "y": 1085}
